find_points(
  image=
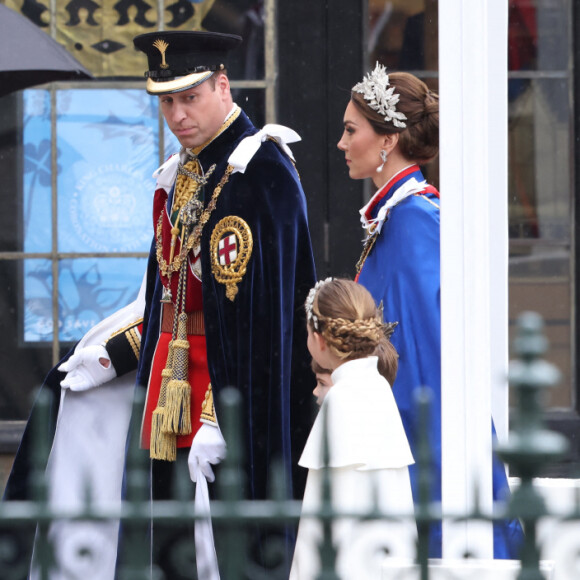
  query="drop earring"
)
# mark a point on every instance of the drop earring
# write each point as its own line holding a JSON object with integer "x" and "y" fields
{"x": 383, "y": 155}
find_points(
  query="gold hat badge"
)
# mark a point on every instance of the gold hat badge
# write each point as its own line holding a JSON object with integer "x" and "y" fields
{"x": 161, "y": 46}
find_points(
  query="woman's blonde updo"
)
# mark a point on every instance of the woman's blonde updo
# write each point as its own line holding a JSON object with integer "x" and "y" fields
{"x": 346, "y": 316}
{"x": 419, "y": 140}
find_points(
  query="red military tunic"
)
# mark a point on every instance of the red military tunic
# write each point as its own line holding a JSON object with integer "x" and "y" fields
{"x": 198, "y": 373}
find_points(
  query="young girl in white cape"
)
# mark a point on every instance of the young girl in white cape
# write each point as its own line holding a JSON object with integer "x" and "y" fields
{"x": 368, "y": 449}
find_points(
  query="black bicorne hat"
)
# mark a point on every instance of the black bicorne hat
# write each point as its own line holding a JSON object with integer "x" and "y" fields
{"x": 180, "y": 60}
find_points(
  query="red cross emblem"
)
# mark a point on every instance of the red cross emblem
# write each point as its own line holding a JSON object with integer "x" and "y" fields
{"x": 228, "y": 250}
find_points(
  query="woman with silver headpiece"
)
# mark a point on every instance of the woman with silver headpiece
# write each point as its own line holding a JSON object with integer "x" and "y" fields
{"x": 391, "y": 128}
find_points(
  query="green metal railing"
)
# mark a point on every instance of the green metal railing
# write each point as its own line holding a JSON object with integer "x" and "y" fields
{"x": 529, "y": 449}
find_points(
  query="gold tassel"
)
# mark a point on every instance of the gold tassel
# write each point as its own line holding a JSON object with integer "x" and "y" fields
{"x": 163, "y": 445}
{"x": 177, "y": 415}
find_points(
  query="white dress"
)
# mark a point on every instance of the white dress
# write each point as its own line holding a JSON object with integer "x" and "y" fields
{"x": 369, "y": 459}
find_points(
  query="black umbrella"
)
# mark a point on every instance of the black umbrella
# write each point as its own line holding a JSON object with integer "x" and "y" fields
{"x": 29, "y": 56}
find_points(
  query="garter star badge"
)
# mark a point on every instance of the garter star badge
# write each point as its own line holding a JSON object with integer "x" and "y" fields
{"x": 230, "y": 250}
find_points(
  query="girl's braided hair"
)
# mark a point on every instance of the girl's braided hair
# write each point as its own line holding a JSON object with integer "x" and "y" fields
{"x": 346, "y": 316}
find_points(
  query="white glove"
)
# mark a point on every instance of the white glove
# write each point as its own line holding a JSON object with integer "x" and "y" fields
{"x": 84, "y": 369}
{"x": 208, "y": 447}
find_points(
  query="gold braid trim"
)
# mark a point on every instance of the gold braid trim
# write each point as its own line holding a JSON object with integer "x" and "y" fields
{"x": 186, "y": 203}
{"x": 134, "y": 341}
{"x": 185, "y": 186}
{"x": 369, "y": 244}
{"x": 164, "y": 431}
{"x": 427, "y": 199}
{"x": 125, "y": 328}
{"x": 197, "y": 150}
{"x": 195, "y": 237}
{"x": 207, "y": 407}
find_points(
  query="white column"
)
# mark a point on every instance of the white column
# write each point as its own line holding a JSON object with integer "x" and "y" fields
{"x": 473, "y": 124}
{"x": 497, "y": 34}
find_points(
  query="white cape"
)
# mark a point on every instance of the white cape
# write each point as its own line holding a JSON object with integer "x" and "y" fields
{"x": 369, "y": 458}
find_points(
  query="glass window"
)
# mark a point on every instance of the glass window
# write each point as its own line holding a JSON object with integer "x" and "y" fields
{"x": 541, "y": 177}
{"x": 403, "y": 36}
{"x": 22, "y": 363}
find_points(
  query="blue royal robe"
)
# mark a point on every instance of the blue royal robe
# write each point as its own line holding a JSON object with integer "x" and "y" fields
{"x": 403, "y": 271}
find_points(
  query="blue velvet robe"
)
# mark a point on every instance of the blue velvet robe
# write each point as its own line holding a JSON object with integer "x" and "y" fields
{"x": 257, "y": 342}
{"x": 403, "y": 271}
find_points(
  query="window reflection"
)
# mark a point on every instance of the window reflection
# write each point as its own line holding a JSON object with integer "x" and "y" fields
{"x": 540, "y": 176}
{"x": 402, "y": 35}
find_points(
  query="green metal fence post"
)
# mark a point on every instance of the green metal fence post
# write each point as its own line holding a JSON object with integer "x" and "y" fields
{"x": 44, "y": 553}
{"x": 231, "y": 486}
{"x": 424, "y": 513}
{"x": 327, "y": 514}
{"x": 136, "y": 559}
{"x": 530, "y": 446}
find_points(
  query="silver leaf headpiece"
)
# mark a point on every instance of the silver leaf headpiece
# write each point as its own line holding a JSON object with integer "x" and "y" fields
{"x": 382, "y": 99}
{"x": 388, "y": 327}
{"x": 309, "y": 304}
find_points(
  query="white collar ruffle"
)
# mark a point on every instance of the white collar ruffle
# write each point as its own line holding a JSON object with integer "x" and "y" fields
{"x": 410, "y": 187}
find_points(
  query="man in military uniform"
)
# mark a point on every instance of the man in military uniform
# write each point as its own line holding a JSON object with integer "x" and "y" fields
{"x": 229, "y": 269}
{"x": 232, "y": 199}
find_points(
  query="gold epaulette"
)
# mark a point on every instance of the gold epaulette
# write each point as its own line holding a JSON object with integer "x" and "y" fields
{"x": 207, "y": 408}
